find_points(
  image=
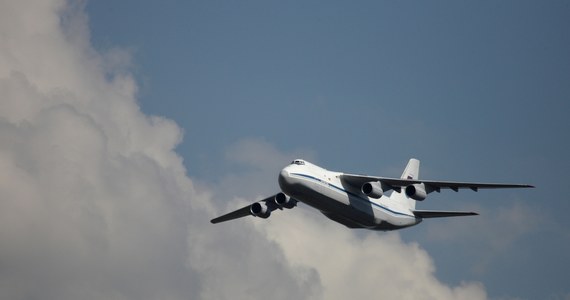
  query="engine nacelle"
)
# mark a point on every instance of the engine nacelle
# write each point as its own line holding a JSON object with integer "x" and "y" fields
{"x": 284, "y": 201}
{"x": 372, "y": 189}
{"x": 260, "y": 209}
{"x": 416, "y": 191}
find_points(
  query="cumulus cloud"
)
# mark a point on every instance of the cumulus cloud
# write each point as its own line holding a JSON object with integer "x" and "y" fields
{"x": 257, "y": 163}
{"x": 95, "y": 203}
{"x": 354, "y": 267}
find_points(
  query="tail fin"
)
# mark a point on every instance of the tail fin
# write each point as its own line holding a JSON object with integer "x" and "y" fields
{"x": 412, "y": 171}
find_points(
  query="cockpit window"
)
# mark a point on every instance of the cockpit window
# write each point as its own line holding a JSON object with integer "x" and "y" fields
{"x": 298, "y": 162}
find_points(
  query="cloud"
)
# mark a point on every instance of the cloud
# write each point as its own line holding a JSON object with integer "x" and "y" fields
{"x": 353, "y": 266}
{"x": 95, "y": 203}
{"x": 257, "y": 163}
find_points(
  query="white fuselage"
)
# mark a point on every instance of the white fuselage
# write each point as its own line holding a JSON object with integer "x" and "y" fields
{"x": 341, "y": 202}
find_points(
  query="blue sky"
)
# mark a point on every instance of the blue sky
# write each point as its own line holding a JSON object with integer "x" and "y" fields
{"x": 377, "y": 78}
{"x": 95, "y": 98}
{"x": 476, "y": 90}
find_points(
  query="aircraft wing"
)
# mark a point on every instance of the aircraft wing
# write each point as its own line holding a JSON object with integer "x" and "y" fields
{"x": 242, "y": 212}
{"x": 396, "y": 183}
{"x": 246, "y": 211}
{"x": 424, "y": 214}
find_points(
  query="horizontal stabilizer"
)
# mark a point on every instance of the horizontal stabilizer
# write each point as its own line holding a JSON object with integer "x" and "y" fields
{"x": 441, "y": 214}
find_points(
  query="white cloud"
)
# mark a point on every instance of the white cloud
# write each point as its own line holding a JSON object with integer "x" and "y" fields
{"x": 258, "y": 163}
{"x": 349, "y": 266}
{"x": 95, "y": 203}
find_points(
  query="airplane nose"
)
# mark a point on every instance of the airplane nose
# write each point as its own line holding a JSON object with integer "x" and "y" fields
{"x": 284, "y": 178}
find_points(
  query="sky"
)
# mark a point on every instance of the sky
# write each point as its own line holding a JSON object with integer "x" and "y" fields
{"x": 126, "y": 126}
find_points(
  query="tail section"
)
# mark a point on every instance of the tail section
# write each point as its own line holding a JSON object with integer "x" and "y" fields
{"x": 412, "y": 171}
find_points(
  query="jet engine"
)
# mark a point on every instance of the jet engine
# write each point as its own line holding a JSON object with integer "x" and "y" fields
{"x": 372, "y": 189}
{"x": 260, "y": 209}
{"x": 416, "y": 191}
{"x": 284, "y": 201}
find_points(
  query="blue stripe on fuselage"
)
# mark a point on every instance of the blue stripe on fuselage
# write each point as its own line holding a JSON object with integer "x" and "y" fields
{"x": 352, "y": 194}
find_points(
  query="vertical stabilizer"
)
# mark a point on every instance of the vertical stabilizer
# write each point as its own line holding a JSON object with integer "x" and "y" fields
{"x": 412, "y": 171}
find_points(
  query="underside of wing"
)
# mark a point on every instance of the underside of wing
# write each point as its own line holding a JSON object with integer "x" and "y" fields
{"x": 242, "y": 212}
{"x": 431, "y": 185}
{"x": 424, "y": 214}
{"x": 454, "y": 185}
{"x": 262, "y": 208}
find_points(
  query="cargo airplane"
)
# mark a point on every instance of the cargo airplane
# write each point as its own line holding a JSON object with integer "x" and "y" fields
{"x": 359, "y": 201}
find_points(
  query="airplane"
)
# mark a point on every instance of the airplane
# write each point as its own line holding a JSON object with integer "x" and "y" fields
{"x": 358, "y": 201}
